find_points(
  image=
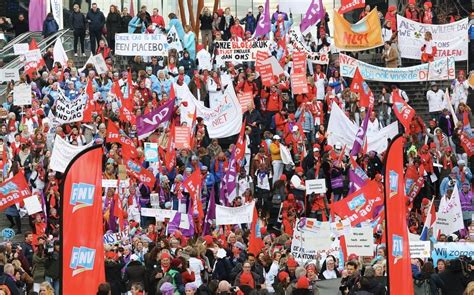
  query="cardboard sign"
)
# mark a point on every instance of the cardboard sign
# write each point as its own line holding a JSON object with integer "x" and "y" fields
{"x": 151, "y": 152}
{"x": 245, "y": 99}
{"x": 6, "y": 75}
{"x": 32, "y": 205}
{"x": 420, "y": 249}
{"x": 21, "y": 48}
{"x": 266, "y": 74}
{"x": 299, "y": 85}
{"x": 182, "y": 137}
{"x": 360, "y": 241}
{"x": 299, "y": 63}
{"x": 234, "y": 215}
{"x": 22, "y": 94}
{"x": 317, "y": 186}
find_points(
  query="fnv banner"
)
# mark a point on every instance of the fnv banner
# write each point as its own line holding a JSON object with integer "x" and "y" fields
{"x": 450, "y": 39}
{"x": 69, "y": 111}
{"x": 234, "y": 215}
{"x": 240, "y": 51}
{"x": 82, "y": 241}
{"x": 440, "y": 69}
{"x": 13, "y": 190}
{"x": 223, "y": 120}
{"x": 141, "y": 44}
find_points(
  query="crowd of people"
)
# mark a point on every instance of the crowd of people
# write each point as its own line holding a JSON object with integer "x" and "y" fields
{"x": 149, "y": 259}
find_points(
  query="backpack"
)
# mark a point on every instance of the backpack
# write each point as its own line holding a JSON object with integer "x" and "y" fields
{"x": 422, "y": 287}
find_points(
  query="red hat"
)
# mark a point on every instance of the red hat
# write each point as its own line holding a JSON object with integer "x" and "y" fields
{"x": 292, "y": 262}
{"x": 209, "y": 240}
{"x": 328, "y": 148}
{"x": 299, "y": 169}
{"x": 111, "y": 255}
{"x": 165, "y": 255}
{"x": 412, "y": 2}
{"x": 425, "y": 202}
{"x": 291, "y": 116}
{"x": 353, "y": 257}
{"x": 246, "y": 279}
{"x": 303, "y": 283}
{"x": 175, "y": 262}
{"x": 282, "y": 276}
{"x": 428, "y": 4}
{"x": 291, "y": 197}
{"x": 283, "y": 177}
{"x": 392, "y": 8}
{"x": 432, "y": 145}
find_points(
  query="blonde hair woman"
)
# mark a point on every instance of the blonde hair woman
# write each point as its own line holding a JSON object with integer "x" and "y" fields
{"x": 46, "y": 289}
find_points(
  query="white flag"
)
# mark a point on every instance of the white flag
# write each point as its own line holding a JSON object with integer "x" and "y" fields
{"x": 449, "y": 217}
{"x": 63, "y": 153}
{"x": 59, "y": 54}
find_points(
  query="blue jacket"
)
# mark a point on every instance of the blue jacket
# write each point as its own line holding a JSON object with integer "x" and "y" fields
{"x": 179, "y": 28}
{"x": 189, "y": 43}
{"x": 161, "y": 86}
{"x": 308, "y": 123}
{"x": 250, "y": 23}
{"x": 133, "y": 24}
{"x": 104, "y": 89}
{"x": 50, "y": 26}
{"x": 96, "y": 20}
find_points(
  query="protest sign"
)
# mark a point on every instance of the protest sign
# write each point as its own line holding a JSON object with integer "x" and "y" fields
{"x": 69, "y": 111}
{"x": 260, "y": 57}
{"x": 6, "y": 75}
{"x": 299, "y": 62}
{"x": 236, "y": 51}
{"x": 295, "y": 6}
{"x": 14, "y": 190}
{"x": 449, "y": 216}
{"x": 312, "y": 241}
{"x": 159, "y": 214}
{"x": 32, "y": 205}
{"x": 141, "y": 44}
{"x": 151, "y": 152}
{"x": 266, "y": 74}
{"x": 182, "y": 137}
{"x": 317, "y": 186}
{"x": 420, "y": 249}
{"x": 234, "y": 215}
{"x": 21, "y": 48}
{"x": 297, "y": 45}
{"x": 450, "y": 39}
{"x": 63, "y": 153}
{"x": 115, "y": 238}
{"x": 449, "y": 251}
{"x": 173, "y": 40}
{"x": 440, "y": 69}
{"x": 99, "y": 63}
{"x": 360, "y": 241}
{"x": 365, "y": 34}
{"x": 341, "y": 129}
{"x": 299, "y": 84}
{"x": 222, "y": 120}
{"x": 349, "y": 5}
{"x": 245, "y": 99}
{"x": 22, "y": 94}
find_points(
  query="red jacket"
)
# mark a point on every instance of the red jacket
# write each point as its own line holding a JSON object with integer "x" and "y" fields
{"x": 274, "y": 102}
{"x": 158, "y": 20}
{"x": 237, "y": 30}
{"x": 280, "y": 122}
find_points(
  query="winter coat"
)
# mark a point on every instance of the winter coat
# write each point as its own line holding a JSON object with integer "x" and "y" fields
{"x": 113, "y": 276}
{"x": 39, "y": 268}
{"x": 50, "y": 26}
{"x": 135, "y": 272}
{"x": 455, "y": 281}
{"x": 78, "y": 21}
{"x": 21, "y": 27}
{"x": 113, "y": 23}
{"x": 96, "y": 20}
{"x": 52, "y": 266}
{"x": 250, "y": 23}
{"x": 133, "y": 25}
{"x": 206, "y": 22}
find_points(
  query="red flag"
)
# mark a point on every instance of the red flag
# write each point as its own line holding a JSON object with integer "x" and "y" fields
{"x": 467, "y": 144}
{"x": 172, "y": 93}
{"x": 240, "y": 147}
{"x": 255, "y": 244}
{"x": 126, "y": 116}
{"x": 359, "y": 86}
{"x": 132, "y": 10}
{"x": 90, "y": 102}
{"x": 349, "y": 5}
{"x": 118, "y": 210}
{"x": 143, "y": 175}
{"x": 359, "y": 206}
{"x": 129, "y": 151}
{"x": 193, "y": 186}
{"x": 402, "y": 110}
{"x": 82, "y": 233}
{"x": 170, "y": 157}
{"x": 398, "y": 254}
{"x": 14, "y": 190}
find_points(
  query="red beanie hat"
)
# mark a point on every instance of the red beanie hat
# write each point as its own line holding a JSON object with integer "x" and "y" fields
{"x": 176, "y": 262}
{"x": 292, "y": 262}
{"x": 303, "y": 283}
{"x": 209, "y": 240}
{"x": 165, "y": 255}
{"x": 246, "y": 279}
{"x": 282, "y": 276}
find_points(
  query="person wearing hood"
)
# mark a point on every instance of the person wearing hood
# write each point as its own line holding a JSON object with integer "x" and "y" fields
{"x": 453, "y": 278}
{"x": 329, "y": 269}
{"x": 50, "y": 26}
{"x": 96, "y": 20}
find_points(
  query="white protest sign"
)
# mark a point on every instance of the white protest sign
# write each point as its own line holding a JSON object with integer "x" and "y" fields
{"x": 21, "y": 48}
{"x": 141, "y": 44}
{"x": 69, "y": 111}
{"x": 450, "y": 39}
{"x": 159, "y": 214}
{"x": 296, "y": 42}
{"x": 151, "y": 152}
{"x": 63, "y": 153}
{"x": 317, "y": 186}
{"x": 448, "y": 251}
{"x": 420, "y": 249}
{"x": 32, "y": 205}
{"x": 173, "y": 40}
{"x": 115, "y": 238}
{"x": 22, "y": 94}
{"x": 240, "y": 51}
{"x": 31, "y": 56}
{"x": 360, "y": 241}
{"x": 234, "y": 215}
{"x": 99, "y": 63}
{"x": 449, "y": 216}
{"x": 6, "y": 75}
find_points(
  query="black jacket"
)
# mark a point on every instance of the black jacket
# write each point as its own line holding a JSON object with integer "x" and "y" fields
{"x": 10, "y": 283}
{"x": 78, "y": 21}
{"x": 28, "y": 252}
{"x": 454, "y": 279}
{"x": 206, "y": 22}
{"x": 96, "y": 20}
{"x": 21, "y": 27}
{"x": 52, "y": 265}
{"x": 124, "y": 23}
{"x": 113, "y": 276}
{"x": 114, "y": 21}
{"x": 135, "y": 273}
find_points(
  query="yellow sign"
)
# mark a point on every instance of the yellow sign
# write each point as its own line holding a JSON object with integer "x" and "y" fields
{"x": 365, "y": 34}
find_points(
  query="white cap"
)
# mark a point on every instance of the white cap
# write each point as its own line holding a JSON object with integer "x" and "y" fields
{"x": 295, "y": 128}
{"x": 276, "y": 136}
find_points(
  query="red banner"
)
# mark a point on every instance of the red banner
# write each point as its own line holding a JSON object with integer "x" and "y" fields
{"x": 126, "y": 116}
{"x": 349, "y": 5}
{"x": 82, "y": 232}
{"x": 467, "y": 144}
{"x": 402, "y": 110}
{"x": 129, "y": 151}
{"x": 170, "y": 157}
{"x": 415, "y": 188}
{"x": 398, "y": 255}
{"x": 359, "y": 86}
{"x": 182, "y": 137}
{"x": 299, "y": 85}
{"x": 260, "y": 57}
{"x": 266, "y": 73}
{"x": 359, "y": 206}
{"x": 141, "y": 174}
{"x": 299, "y": 62}
{"x": 193, "y": 186}
{"x": 13, "y": 191}
{"x": 245, "y": 99}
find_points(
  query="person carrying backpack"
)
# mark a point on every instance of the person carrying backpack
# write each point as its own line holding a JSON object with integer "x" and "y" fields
{"x": 50, "y": 26}
{"x": 427, "y": 282}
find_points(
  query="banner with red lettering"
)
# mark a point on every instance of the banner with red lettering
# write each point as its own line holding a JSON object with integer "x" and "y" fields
{"x": 182, "y": 137}
{"x": 299, "y": 84}
{"x": 361, "y": 205}
{"x": 245, "y": 99}
{"x": 13, "y": 190}
{"x": 266, "y": 74}
{"x": 398, "y": 255}
{"x": 402, "y": 110}
{"x": 349, "y": 5}
{"x": 299, "y": 62}
{"x": 129, "y": 151}
{"x": 467, "y": 144}
{"x": 261, "y": 56}
{"x": 415, "y": 188}
{"x": 81, "y": 229}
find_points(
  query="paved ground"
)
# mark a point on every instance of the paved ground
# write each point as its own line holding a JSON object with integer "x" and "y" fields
{"x": 4, "y": 223}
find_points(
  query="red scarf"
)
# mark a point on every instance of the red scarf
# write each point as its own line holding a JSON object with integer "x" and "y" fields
{"x": 197, "y": 81}
{"x": 447, "y": 163}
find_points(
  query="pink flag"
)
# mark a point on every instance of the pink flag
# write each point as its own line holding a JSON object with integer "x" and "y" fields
{"x": 36, "y": 15}
{"x": 264, "y": 25}
{"x": 314, "y": 13}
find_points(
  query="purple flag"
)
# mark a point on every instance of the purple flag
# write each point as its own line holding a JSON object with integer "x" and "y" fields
{"x": 174, "y": 225}
{"x": 211, "y": 213}
{"x": 314, "y": 13}
{"x": 360, "y": 136}
{"x": 263, "y": 24}
{"x": 147, "y": 124}
{"x": 355, "y": 182}
{"x": 228, "y": 190}
{"x": 36, "y": 15}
